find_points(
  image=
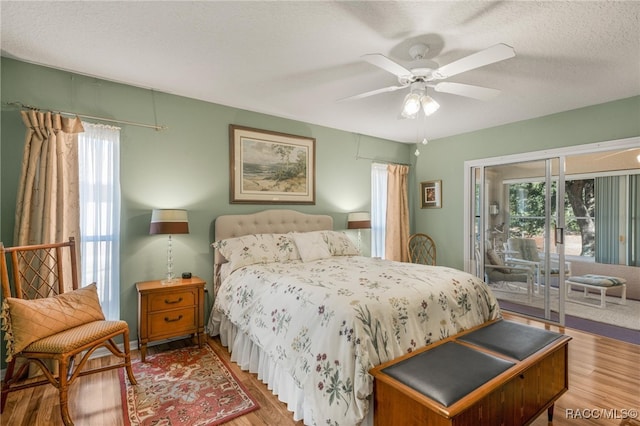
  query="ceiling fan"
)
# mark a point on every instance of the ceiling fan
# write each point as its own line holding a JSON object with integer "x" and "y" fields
{"x": 427, "y": 74}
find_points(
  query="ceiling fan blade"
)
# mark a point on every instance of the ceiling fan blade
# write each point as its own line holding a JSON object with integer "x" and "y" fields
{"x": 493, "y": 54}
{"x": 372, "y": 92}
{"x": 467, "y": 90}
{"x": 386, "y": 64}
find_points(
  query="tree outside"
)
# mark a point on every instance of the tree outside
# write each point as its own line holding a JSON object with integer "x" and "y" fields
{"x": 526, "y": 213}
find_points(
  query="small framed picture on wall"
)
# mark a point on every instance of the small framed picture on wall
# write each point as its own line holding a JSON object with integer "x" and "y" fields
{"x": 431, "y": 194}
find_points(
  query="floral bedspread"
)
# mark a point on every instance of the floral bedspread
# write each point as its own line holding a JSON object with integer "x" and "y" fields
{"x": 329, "y": 321}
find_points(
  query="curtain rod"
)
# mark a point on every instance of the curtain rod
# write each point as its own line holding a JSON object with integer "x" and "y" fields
{"x": 132, "y": 123}
{"x": 381, "y": 161}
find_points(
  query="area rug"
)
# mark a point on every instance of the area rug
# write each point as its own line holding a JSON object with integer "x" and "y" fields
{"x": 186, "y": 386}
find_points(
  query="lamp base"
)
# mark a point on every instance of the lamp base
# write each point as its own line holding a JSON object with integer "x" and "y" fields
{"x": 169, "y": 281}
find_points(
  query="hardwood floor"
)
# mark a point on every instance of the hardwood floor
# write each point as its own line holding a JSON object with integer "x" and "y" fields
{"x": 604, "y": 381}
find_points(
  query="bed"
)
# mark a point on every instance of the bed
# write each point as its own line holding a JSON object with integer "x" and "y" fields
{"x": 296, "y": 304}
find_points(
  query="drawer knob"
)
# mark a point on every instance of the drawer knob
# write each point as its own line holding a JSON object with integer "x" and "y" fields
{"x": 167, "y": 319}
{"x": 172, "y": 302}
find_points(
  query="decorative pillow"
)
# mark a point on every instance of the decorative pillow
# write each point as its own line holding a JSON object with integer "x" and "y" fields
{"x": 257, "y": 248}
{"x": 26, "y": 321}
{"x": 340, "y": 244}
{"x": 311, "y": 245}
{"x": 494, "y": 259}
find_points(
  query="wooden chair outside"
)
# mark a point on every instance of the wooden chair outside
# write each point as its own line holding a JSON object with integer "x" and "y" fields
{"x": 38, "y": 272}
{"x": 422, "y": 249}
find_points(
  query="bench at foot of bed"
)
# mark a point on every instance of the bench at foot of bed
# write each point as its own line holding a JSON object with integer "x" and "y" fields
{"x": 500, "y": 373}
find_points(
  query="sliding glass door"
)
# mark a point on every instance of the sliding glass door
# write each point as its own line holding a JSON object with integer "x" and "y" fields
{"x": 518, "y": 234}
{"x": 579, "y": 207}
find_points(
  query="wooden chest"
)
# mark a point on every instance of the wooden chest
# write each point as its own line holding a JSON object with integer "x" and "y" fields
{"x": 502, "y": 373}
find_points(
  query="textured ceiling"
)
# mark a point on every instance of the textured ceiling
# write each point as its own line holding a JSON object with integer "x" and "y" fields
{"x": 295, "y": 59}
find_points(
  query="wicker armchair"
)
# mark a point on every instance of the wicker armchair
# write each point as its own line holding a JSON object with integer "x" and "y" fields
{"x": 422, "y": 249}
{"x": 53, "y": 329}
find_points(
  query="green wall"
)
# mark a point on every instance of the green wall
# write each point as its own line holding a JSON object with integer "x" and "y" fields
{"x": 186, "y": 166}
{"x": 444, "y": 159}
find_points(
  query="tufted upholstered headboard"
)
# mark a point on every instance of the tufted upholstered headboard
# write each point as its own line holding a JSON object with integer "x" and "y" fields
{"x": 264, "y": 222}
{"x": 268, "y": 222}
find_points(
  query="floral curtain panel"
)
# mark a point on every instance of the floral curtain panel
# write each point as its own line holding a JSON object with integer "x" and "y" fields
{"x": 47, "y": 209}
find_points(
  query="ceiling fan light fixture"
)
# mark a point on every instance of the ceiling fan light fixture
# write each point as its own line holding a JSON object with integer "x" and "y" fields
{"x": 411, "y": 105}
{"x": 429, "y": 105}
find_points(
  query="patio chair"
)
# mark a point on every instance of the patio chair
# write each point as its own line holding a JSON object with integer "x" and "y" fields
{"x": 496, "y": 270}
{"x": 526, "y": 253}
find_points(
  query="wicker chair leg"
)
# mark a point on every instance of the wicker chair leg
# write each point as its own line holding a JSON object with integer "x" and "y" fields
{"x": 64, "y": 392}
{"x": 5, "y": 394}
{"x": 127, "y": 359}
{"x": 8, "y": 376}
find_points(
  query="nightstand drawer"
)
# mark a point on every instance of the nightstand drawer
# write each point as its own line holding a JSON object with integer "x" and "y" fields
{"x": 162, "y": 301}
{"x": 173, "y": 322}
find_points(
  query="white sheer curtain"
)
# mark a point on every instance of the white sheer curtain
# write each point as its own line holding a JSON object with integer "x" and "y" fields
{"x": 378, "y": 208}
{"x": 99, "y": 170}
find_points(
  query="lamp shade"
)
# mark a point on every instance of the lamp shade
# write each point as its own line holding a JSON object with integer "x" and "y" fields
{"x": 359, "y": 220}
{"x": 411, "y": 105}
{"x": 168, "y": 221}
{"x": 429, "y": 105}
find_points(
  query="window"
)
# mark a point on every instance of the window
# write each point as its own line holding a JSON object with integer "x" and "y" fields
{"x": 99, "y": 170}
{"x": 599, "y": 216}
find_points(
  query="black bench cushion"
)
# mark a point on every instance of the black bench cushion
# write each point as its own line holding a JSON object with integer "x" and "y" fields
{"x": 511, "y": 338}
{"x": 448, "y": 372}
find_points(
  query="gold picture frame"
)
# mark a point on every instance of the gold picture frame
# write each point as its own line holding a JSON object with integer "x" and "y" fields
{"x": 431, "y": 194}
{"x": 271, "y": 167}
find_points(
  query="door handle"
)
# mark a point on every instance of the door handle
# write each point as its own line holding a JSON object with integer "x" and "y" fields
{"x": 559, "y": 236}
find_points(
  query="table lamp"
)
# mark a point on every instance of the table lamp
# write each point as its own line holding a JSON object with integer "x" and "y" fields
{"x": 359, "y": 220}
{"x": 169, "y": 221}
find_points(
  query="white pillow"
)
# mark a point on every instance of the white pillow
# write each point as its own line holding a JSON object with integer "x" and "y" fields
{"x": 311, "y": 245}
{"x": 340, "y": 244}
{"x": 225, "y": 270}
{"x": 256, "y": 248}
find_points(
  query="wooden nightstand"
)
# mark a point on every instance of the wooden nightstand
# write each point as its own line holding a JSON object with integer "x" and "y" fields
{"x": 170, "y": 310}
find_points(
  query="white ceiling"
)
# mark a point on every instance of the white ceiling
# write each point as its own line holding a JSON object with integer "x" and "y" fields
{"x": 295, "y": 59}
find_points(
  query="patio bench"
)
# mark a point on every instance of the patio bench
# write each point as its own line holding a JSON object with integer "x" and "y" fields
{"x": 600, "y": 283}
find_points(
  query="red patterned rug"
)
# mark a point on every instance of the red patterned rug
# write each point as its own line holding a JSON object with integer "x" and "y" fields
{"x": 187, "y": 386}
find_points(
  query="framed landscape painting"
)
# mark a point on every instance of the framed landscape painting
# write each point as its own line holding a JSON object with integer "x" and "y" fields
{"x": 270, "y": 167}
{"x": 431, "y": 194}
